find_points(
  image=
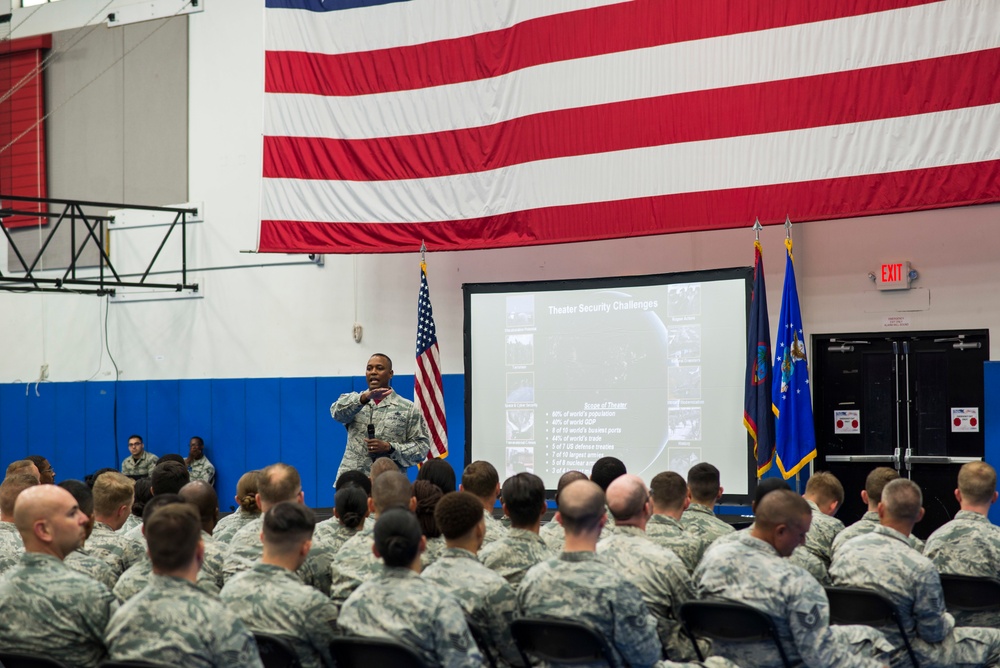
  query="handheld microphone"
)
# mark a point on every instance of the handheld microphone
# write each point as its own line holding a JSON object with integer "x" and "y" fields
{"x": 371, "y": 430}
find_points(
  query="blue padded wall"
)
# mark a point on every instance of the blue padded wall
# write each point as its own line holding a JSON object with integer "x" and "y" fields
{"x": 246, "y": 423}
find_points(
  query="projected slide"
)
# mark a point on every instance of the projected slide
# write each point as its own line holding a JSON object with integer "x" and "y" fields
{"x": 564, "y": 373}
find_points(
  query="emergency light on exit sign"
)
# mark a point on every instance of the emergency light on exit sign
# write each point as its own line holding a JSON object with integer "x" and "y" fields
{"x": 894, "y": 276}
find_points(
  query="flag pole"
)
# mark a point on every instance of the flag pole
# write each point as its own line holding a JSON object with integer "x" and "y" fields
{"x": 757, "y": 227}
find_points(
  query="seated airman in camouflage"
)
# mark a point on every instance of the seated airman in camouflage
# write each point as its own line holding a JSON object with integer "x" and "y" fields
{"x": 825, "y": 496}
{"x": 355, "y": 562}
{"x": 524, "y": 503}
{"x": 668, "y": 492}
{"x": 699, "y": 518}
{"x": 140, "y": 461}
{"x": 172, "y": 622}
{"x": 46, "y": 608}
{"x": 753, "y": 568}
{"x": 488, "y": 600}
{"x": 11, "y": 546}
{"x": 270, "y": 598}
{"x": 25, "y": 466}
{"x": 552, "y": 532}
{"x": 397, "y": 604}
{"x": 885, "y": 561}
{"x": 80, "y": 559}
{"x": 246, "y": 508}
{"x": 353, "y": 513}
{"x": 140, "y": 574}
{"x": 197, "y": 463}
{"x": 278, "y": 483}
{"x": 427, "y": 495}
{"x": 658, "y": 573}
{"x": 113, "y": 495}
{"x": 481, "y": 479}
{"x": 203, "y": 497}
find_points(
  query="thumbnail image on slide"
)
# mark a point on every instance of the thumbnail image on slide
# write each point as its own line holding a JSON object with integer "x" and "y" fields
{"x": 684, "y": 382}
{"x": 680, "y": 460}
{"x": 684, "y": 424}
{"x": 520, "y": 310}
{"x": 684, "y": 343}
{"x": 520, "y": 387}
{"x": 520, "y": 425}
{"x": 683, "y": 299}
{"x": 519, "y": 460}
{"x": 520, "y": 349}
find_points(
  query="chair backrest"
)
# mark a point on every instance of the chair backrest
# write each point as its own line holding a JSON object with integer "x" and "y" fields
{"x": 729, "y": 621}
{"x": 351, "y": 652}
{"x": 962, "y": 592}
{"x": 855, "y": 605}
{"x": 560, "y": 641}
{"x": 129, "y": 664}
{"x": 483, "y": 641}
{"x": 275, "y": 651}
{"x": 14, "y": 660}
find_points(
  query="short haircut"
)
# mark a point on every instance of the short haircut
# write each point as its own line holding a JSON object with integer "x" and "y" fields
{"x": 21, "y": 466}
{"x": 877, "y": 480}
{"x": 628, "y": 498}
{"x": 157, "y": 502}
{"x": 392, "y": 489}
{"x": 387, "y": 358}
{"x": 902, "y": 500}
{"x": 379, "y": 466}
{"x": 605, "y": 470}
{"x": 351, "y": 503}
{"x": 480, "y": 478}
{"x": 524, "y": 498}
{"x": 781, "y": 506}
{"x": 439, "y": 472}
{"x": 246, "y": 491}
{"x": 135, "y": 436}
{"x": 427, "y": 494}
{"x": 112, "y": 490}
{"x": 567, "y": 478}
{"x": 825, "y": 486}
{"x": 202, "y": 496}
{"x": 168, "y": 477}
{"x": 358, "y": 479}
{"x": 40, "y": 462}
{"x": 977, "y": 481}
{"x": 143, "y": 494}
{"x": 279, "y": 482}
{"x": 458, "y": 514}
{"x": 287, "y": 525}
{"x": 668, "y": 490}
{"x": 703, "y": 481}
{"x": 172, "y": 535}
{"x": 581, "y": 507}
{"x": 200, "y": 440}
{"x": 172, "y": 457}
{"x": 83, "y": 495}
{"x": 766, "y": 486}
{"x": 11, "y": 488}
{"x": 91, "y": 478}
{"x": 397, "y": 537}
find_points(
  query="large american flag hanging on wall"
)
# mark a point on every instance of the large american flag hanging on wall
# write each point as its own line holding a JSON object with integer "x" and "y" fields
{"x": 507, "y": 123}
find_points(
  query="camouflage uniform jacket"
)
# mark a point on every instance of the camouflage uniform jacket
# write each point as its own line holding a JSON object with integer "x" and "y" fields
{"x": 353, "y": 564}
{"x": 11, "y": 546}
{"x": 867, "y": 524}
{"x": 145, "y": 465}
{"x": 554, "y": 536}
{"x": 272, "y": 599}
{"x": 669, "y": 533}
{"x": 514, "y": 554}
{"x": 51, "y": 610}
{"x": 495, "y": 530}
{"x": 435, "y": 546}
{"x": 967, "y": 545}
{"x": 131, "y": 522}
{"x": 822, "y": 532}
{"x": 116, "y": 550}
{"x": 230, "y": 524}
{"x": 135, "y": 579}
{"x": 202, "y": 469}
{"x": 84, "y": 562}
{"x": 174, "y": 623}
{"x": 661, "y": 578}
{"x": 397, "y": 421}
{"x": 334, "y": 533}
{"x": 750, "y": 571}
{"x": 487, "y": 599}
{"x": 399, "y": 605}
{"x": 702, "y": 522}
{"x": 580, "y": 586}
{"x": 245, "y": 549}
{"x": 800, "y": 557}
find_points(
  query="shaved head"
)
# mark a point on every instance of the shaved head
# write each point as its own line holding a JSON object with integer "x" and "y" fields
{"x": 903, "y": 500}
{"x": 782, "y": 519}
{"x": 627, "y": 496}
{"x": 203, "y": 497}
{"x": 581, "y": 506}
{"x": 49, "y": 520}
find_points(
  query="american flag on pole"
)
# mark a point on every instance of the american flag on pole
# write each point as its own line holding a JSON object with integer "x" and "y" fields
{"x": 428, "y": 392}
{"x": 478, "y": 124}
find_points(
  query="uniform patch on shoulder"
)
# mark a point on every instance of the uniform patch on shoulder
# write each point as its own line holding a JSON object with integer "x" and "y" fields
{"x": 810, "y": 618}
{"x": 460, "y": 641}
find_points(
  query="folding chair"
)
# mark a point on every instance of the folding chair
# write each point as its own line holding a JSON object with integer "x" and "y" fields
{"x": 482, "y": 642}
{"x": 731, "y": 622}
{"x": 130, "y": 664}
{"x": 15, "y": 660}
{"x": 855, "y": 605}
{"x": 560, "y": 642}
{"x": 970, "y": 594}
{"x": 351, "y": 652}
{"x": 275, "y": 651}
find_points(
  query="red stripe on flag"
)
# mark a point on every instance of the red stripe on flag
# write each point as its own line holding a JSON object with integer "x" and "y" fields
{"x": 905, "y": 89}
{"x": 894, "y": 192}
{"x": 433, "y": 382}
{"x": 584, "y": 33}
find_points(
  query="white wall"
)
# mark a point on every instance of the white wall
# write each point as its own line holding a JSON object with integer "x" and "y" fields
{"x": 297, "y": 320}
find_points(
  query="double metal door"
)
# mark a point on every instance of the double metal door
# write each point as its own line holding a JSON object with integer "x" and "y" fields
{"x": 912, "y": 402}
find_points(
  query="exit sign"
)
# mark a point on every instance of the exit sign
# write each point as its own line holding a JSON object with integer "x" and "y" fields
{"x": 893, "y": 276}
